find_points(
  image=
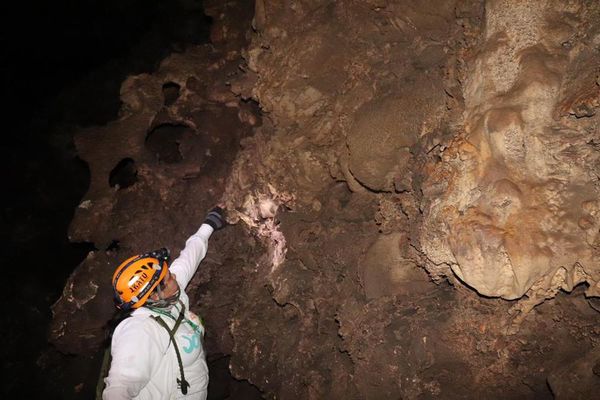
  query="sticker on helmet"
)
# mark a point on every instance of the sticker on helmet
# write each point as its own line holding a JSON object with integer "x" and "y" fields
{"x": 139, "y": 282}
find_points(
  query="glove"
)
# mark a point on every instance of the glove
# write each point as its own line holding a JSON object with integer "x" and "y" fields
{"x": 215, "y": 218}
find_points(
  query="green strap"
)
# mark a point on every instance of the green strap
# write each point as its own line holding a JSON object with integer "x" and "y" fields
{"x": 182, "y": 383}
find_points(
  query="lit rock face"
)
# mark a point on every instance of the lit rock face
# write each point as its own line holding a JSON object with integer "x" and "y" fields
{"x": 394, "y": 135}
{"x": 348, "y": 99}
{"x": 386, "y": 128}
{"x": 513, "y": 207}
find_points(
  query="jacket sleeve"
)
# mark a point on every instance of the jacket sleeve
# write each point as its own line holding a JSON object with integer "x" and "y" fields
{"x": 185, "y": 266}
{"x": 135, "y": 354}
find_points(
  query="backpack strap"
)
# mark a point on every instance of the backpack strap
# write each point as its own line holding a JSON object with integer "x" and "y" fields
{"x": 181, "y": 383}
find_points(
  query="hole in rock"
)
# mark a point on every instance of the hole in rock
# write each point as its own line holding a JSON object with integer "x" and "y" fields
{"x": 170, "y": 93}
{"x": 164, "y": 142}
{"x": 123, "y": 174}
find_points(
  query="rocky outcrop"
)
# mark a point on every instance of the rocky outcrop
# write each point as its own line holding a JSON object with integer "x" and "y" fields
{"x": 511, "y": 208}
{"x": 155, "y": 172}
{"x": 405, "y": 154}
{"x": 456, "y": 135}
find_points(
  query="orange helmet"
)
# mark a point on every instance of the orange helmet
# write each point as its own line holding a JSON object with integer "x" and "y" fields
{"x": 136, "y": 278}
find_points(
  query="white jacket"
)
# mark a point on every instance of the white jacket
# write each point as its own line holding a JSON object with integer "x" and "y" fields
{"x": 144, "y": 363}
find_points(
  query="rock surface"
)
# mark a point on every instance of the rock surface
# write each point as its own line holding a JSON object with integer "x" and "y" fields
{"x": 407, "y": 157}
{"x": 154, "y": 173}
{"x": 511, "y": 207}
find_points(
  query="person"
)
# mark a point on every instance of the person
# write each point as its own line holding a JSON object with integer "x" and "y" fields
{"x": 157, "y": 352}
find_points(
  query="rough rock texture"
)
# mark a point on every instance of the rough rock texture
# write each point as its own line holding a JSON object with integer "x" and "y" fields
{"x": 154, "y": 173}
{"x": 402, "y": 145}
{"x": 389, "y": 127}
{"x": 512, "y": 207}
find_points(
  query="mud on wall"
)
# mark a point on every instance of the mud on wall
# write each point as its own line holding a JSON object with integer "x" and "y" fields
{"x": 401, "y": 144}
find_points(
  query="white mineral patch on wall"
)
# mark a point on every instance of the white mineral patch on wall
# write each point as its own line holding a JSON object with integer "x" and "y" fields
{"x": 258, "y": 213}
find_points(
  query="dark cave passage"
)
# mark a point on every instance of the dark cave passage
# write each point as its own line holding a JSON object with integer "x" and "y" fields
{"x": 222, "y": 386}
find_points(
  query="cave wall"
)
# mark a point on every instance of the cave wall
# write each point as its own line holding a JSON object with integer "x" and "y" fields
{"x": 511, "y": 208}
{"x": 155, "y": 171}
{"x": 465, "y": 133}
{"x": 333, "y": 80}
{"x": 408, "y": 156}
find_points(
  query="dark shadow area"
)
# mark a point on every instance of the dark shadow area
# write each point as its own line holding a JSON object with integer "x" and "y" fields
{"x": 223, "y": 386}
{"x": 170, "y": 93}
{"x": 124, "y": 174}
{"x": 69, "y": 51}
{"x": 63, "y": 64}
{"x": 163, "y": 141}
{"x": 113, "y": 246}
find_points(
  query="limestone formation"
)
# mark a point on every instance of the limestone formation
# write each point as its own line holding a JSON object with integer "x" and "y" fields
{"x": 394, "y": 172}
{"x": 510, "y": 208}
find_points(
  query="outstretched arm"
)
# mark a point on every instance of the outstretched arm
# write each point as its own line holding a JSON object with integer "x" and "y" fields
{"x": 185, "y": 266}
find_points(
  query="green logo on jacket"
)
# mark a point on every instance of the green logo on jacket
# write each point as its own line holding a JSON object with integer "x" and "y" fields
{"x": 193, "y": 342}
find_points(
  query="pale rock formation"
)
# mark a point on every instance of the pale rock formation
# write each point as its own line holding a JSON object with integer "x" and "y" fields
{"x": 512, "y": 207}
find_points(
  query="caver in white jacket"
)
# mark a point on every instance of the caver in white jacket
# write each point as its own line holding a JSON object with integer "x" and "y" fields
{"x": 144, "y": 362}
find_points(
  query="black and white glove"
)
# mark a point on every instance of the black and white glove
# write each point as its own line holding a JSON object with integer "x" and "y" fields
{"x": 215, "y": 218}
